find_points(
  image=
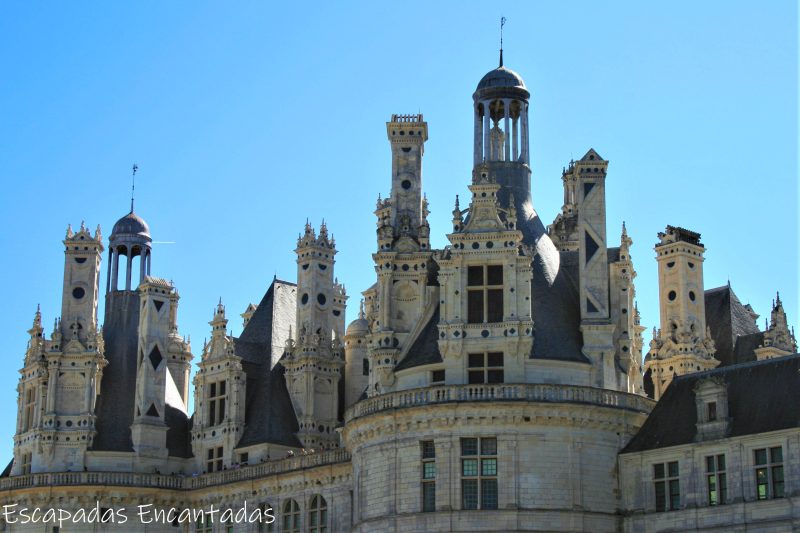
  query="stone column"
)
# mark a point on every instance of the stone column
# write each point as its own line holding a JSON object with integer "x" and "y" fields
{"x": 487, "y": 127}
{"x": 115, "y": 270}
{"x": 128, "y": 271}
{"x": 110, "y": 265}
{"x": 524, "y": 113}
{"x": 515, "y": 131}
{"x": 478, "y": 140}
{"x": 507, "y": 129}
{"x": 142, "y": 264}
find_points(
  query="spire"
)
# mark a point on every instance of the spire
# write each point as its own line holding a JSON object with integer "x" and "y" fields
{"x": 134, "y": 168}
{"x": 502, "y": 23}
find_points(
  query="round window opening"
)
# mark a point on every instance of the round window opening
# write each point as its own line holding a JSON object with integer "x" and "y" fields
{"x": 321, "y": 299}
{"x": 304, "y": 299}
{"x": 78, "y": 293}
{"x": 672, "y": 295}
{"x": 406, "y": 184}
{"x": 691, "y": 295}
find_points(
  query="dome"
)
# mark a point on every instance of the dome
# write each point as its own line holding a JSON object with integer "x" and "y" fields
{"x": 359, "y": 327}
{"x": 131, "y": 224}
{"x": 501, "y": 77}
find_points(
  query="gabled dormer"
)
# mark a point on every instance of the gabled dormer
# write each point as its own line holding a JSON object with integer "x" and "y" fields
{"x": 711, "y": 402}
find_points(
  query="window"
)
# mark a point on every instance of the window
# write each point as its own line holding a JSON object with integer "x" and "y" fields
{"x": 769, "y": 472}
{"x": 318, "y": 515}
{"x": 717, "y": 480}
{"x": 244, "y": 458}
{"x": 26, "y": 463}
{"x": 479, "y": 473}
{"x": 668, "y": 491}
{"x": 484, "y": 294}
{"x": 30, "y": 404}
{"x": 216, "y": 403}
{"x": 365, "y": 367}
{"x": 291, "y": 517}
{"x": 214, "y": 460}
{"x": 206, "y": 524}
{"x": 485, "y": 368}
{"x": 228, "y": 523}
{"x": 264, "y": 526}
{"x": 428, "y": 451}
{"x": 437, "y": 376}
{"x": 711, "y": 411}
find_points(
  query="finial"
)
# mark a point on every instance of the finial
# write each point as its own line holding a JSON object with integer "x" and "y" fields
{"x": 624, "y": 229}
{"x": 778, "y": 297}
{"x": 361, "y": 309}
{"x": 134, "y": 168}
{"x": 502, "y": 23}
{"x": 69, "y": 231}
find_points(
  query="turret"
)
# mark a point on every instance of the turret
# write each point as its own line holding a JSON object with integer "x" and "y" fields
{"x": 779, "y": 340}
{"x": 356, "y": 358}
{"x": 314, "y": 361}
{"x": 682, "y": 345}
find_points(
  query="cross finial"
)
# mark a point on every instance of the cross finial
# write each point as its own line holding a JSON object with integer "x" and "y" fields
{"x": 502, "y": 23}
{"x": 134, "y": 168}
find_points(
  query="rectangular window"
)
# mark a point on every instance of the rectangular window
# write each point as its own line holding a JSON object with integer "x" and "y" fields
{"x": 428, "y": 452}
{"x": 484, "y": 294}
{"x": 717, "y": 480}
{"x": 30, "y": 404}
{"x": 365, "y": 367}
{"x": 769, "y": 472}
{"x": 214, "y": 459}
{"x": 26, "y": 463}
{"x": 479, "y": 473}
{"x": 244, "y": 458}
{"x": 206, "y": 524}
{"x": 216, "y": 403}
{"x": 485, "y": 368}
{"x": 437, "y": 376}
{"x": 712, "y": 411}
{"x": 667, "y": 486}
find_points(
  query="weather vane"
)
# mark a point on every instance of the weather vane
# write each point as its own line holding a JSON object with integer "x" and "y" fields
{"x": 133, "y": 183}
{"x": 502, "y": 23}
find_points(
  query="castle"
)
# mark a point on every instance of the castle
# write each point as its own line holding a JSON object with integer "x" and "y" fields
{"x": 497, "y": 384}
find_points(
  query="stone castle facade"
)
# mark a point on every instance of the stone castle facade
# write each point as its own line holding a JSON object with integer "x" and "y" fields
{"x": 497, "y": 384}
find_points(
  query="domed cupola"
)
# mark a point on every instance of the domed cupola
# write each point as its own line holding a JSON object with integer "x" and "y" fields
{"x": 501, "y": 117}
{"x": 130, "y": 238}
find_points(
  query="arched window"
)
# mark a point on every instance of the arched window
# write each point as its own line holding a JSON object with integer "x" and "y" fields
{"x": 318, "y": 515}
{"x": 264, "y": 526}
{"x": 291, "y": 517}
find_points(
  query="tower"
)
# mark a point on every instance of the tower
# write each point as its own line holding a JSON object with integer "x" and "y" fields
{"x": 61, "y": 377}
{"x": 779, "y": 340}
{"x": 403, "y": 226}
{"x": 356, "y": 358}
{"x": 130, "y": 239}
{"x": 625, "y": 316}
{"x": 682, "y": 344}
{"x": 153, "y": 379}
{"x": 314, "y": 361}
{"x": 219, "y": 388}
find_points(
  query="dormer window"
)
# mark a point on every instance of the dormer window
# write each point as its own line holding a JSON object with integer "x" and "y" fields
{"x": 711, "y": 399}
{"x": 711, "y": 410}
{"x": 484, "y": 294}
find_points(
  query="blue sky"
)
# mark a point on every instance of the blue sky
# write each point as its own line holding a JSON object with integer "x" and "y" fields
{"x": 247, "y": 118}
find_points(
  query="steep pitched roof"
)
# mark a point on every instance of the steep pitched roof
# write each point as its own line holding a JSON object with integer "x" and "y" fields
{"x": 730, "y": 323}
{"x": 762, "y": 396}
{"x": 556, "y": 311}
{"x": 425, "y": 348}
{"x": 269, "y": 414}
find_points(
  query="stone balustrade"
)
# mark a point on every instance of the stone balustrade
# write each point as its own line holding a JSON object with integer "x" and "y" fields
{"x": 175, "y": 482}
{"x": 500, "y": 392}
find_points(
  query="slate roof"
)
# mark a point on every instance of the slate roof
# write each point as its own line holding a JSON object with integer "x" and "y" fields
{"x": 762, "y": 396}
{"x": 733, "y": 327}
{"x": 269, "y": 414}
{"x": 425, "y": 349}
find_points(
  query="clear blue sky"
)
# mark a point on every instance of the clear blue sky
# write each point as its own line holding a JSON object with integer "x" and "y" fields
{"x": 245, "y": 118}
